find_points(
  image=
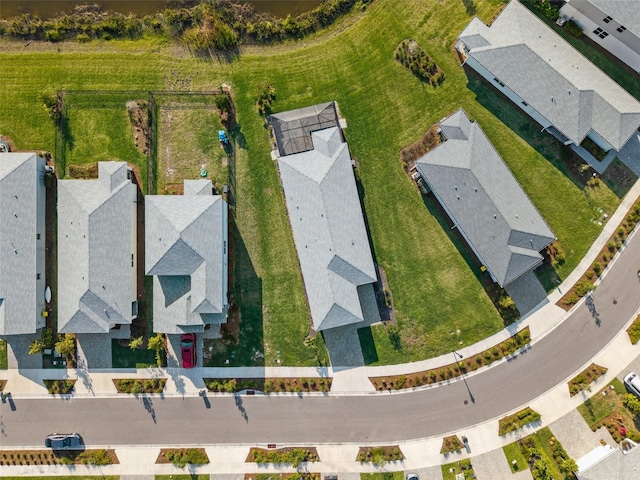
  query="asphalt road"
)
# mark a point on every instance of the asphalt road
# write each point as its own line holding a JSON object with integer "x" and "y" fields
{"x": 336, "y": 419}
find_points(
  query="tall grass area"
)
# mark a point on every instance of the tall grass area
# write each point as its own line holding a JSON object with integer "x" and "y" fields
{"x": 439, "y": 300}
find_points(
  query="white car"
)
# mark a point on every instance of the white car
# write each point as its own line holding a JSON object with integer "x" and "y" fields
{"x": 412, "y": 476}
{"x": 632, "y": 382}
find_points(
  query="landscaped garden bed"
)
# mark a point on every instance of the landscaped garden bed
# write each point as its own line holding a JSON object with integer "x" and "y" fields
{"x": 3, "y": 355}
{"x": 59, "y": 387}
{"x": 451, "y": 444}
{"x": 606, "y": 408}
{"x": 409, "y": 54}
{"x": 543, "y": 454}
{"x": 518, "y": 420}
{"x": 290, "y": 456}
{"x": 379, "y": 455}
{"x": 181, "y": 457}
{"x": 634, "y": 331}
{"x": 585, "y": 284}
{"x": 136, "y": 386}
{"x": 451, "y": 470}
{"x": 49, "y": 457}
{"x": 285, "y": 476}
{"x": 584, "y": 379}
{"x": 3, "y": 383}
{"x": 269, "y": 385}
{"x": 465, "y": 365}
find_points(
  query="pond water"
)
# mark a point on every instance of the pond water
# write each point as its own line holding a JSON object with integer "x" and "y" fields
{"x": 49, "y": 8}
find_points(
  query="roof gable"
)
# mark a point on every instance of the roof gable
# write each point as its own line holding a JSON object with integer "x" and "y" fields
{"x": 487, "y": 204}
{"x": 552, "y": 77}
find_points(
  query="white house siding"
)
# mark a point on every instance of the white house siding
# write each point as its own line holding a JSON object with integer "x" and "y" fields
{"x": 627, "y": 53}
{"x": 516, "y": 99}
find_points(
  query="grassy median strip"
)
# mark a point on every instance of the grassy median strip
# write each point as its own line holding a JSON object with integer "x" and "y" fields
{"x": 268, "y": 385}
{"x": 288, "y": 456}
{"x": 59, "y": 387}
{"x": 584, "y": 379}
{"x": 137, "y": 386}
{"x": 518, "y": 420}
{"x": 379, "y": 455}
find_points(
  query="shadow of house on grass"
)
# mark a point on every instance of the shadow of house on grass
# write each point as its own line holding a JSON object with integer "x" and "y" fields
{"x": 243, "y": 335}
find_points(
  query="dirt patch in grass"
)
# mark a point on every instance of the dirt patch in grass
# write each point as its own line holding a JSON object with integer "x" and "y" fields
{"x": 585, "y": 378}
{"x": 518, "y": 420}
{"x": 59, "y": 387}
{"x": 430, "y": 140}
{"x": 585, "y": 284}
{"x": 455, "y": 369}
{"x": 451, "y": 444}
{"x": 138, "y": 113}
{"x": 186, "y": 456}
{"x": 136, "y": 386}
{"x": 379, "y": 455}
{"x": 290, "y": 455}
{"x": 269, "y": 384}
{"x": 50, "y": 457}
{"x": 619, "y": 178}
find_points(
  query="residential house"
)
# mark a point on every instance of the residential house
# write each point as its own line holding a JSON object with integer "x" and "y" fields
{"x": 22, "y": 243}
{"x": 547, "y": 78}
{"x": 484, "y": 200}
{"x": 607, "y": 463}
{"x": 612, "y": 24}
{"x": 97, "y": 243}
{"x": 325, "y": 214}
{"x": 186, "y": 253}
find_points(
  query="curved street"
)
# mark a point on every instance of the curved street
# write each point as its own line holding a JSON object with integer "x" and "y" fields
{"x": 338, "y": 419}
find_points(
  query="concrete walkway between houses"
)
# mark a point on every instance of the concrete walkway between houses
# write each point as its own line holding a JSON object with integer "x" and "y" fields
{"x": 422, "y": 456}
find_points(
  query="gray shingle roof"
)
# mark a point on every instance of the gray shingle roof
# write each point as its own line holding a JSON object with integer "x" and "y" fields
{"x": 96, "y": 241}
{"x": 186, "y": 238}
{"x": 328, "y": 229}
{"x": 292, "y": 129}
{"x": 22, "y": 202}
{"x": 552, "y": 77}
{"x": 616, "y": 466}
{"x": 485, "y": 201}
{"x": 625, "y": 12}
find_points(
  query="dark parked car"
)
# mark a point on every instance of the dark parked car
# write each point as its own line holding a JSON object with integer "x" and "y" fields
{"x": 63, "y": 441}
{"x": 188, "y": 350}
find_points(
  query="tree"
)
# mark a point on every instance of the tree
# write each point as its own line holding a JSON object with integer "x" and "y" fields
{"x": 66, "y": 346}
{"x": 135, "y": 343}
{"x": 37, "y": 346}
{"x": 157, "y": 343}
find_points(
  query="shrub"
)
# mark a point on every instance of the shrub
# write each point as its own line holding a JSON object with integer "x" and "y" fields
{"x": 573, "y": 28}
{"x": 632, "y": 403}
{"x": 584, "y": 287}
{"x": 597, "y": 268}
{"x": 222, "y": 102}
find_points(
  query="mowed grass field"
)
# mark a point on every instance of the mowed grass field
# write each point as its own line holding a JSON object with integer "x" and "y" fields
{"x": 440, "y": 303}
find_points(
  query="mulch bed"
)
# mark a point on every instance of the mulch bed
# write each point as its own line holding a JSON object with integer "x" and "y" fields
{"x": 312, "y": 455}
{"x": 451, "y": 444}
{"x": 585, "y": 378}
{"x": 49, "y": 457}
{"x": 269, "y": 384}
{"x": 390, "y": 453}
{"x": 162, "y": 456}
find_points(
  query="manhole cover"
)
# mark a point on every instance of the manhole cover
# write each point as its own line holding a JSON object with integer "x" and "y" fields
{"x": 615, "y": 302}
{"x": 466, "y": 402}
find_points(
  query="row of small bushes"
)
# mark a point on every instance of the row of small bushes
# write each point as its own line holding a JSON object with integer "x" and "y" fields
{"x": 48, "y": 457}
{"x": 291, "y": 456}
{"x": 59, "y": 387}
{"x": 219, "y": 25}
{"x": 409, "y": 54}
{"x": 136, "y": 386}
{"x": 267, "y": 385}
{"x": 379, "y": 455}
{"x": 181, "y": 457}
{"x": 585, "y": 378}
{"x": 504, "y": 349}
{"x": 518, "y": 420}
{"x": 633, "y": 331}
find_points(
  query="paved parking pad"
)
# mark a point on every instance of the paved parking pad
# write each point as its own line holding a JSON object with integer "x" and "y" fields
{"x": 576, "y": 437}
{"x": 494, "y": 466}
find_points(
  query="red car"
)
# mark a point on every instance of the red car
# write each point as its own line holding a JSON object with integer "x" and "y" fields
{"x": 188, "y": 350}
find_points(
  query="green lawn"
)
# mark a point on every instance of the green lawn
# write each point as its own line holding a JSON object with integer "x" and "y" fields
{"x": 439, "y": 300}
{"x": 124, "y": 357}
{"x": 512, "y": 452}
{"x": 599, "y": 407}
{"x": 3, "y": 355}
